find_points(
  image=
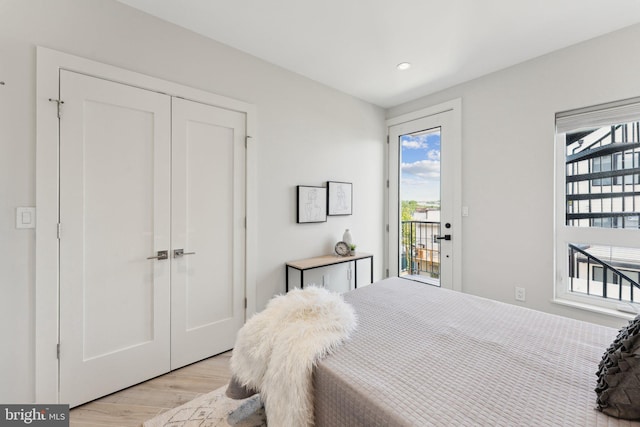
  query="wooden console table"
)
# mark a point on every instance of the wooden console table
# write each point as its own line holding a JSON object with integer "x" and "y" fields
{"x": 324, "y": 261}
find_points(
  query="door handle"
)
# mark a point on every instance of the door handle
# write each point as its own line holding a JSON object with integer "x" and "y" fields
{"x": 445, "y": 237}
{"x": 177, "y": 253}
{"x": 161, "y": 255}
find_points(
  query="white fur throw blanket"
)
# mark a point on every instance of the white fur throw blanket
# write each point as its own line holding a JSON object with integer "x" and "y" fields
{"x": 276, "y": 350}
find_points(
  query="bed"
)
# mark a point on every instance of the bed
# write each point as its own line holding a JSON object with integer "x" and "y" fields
{"x": 425, "y": 356}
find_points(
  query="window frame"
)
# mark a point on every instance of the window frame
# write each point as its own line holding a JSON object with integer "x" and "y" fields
{"x": 571, "y": 121}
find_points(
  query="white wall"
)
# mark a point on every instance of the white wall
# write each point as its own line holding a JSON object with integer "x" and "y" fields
{"x": 508, "y": 166}
{"x": 307, "y": 134}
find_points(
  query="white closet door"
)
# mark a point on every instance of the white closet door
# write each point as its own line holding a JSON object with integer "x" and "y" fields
{"x": 208, "y": 212}
{"x": 115, "y": 187}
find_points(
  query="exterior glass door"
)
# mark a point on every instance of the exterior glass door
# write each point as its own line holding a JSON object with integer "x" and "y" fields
{"x": 419, "y": 184}
{"x": 423, "y": 173}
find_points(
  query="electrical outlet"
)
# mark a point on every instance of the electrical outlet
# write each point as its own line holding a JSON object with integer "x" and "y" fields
{"x": 520, "y": 294}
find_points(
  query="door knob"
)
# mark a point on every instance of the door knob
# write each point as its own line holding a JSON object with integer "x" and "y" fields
{"x": 161, "y": 255}
{"x": 177, "y": 253}
{"x": 445, "y": 237}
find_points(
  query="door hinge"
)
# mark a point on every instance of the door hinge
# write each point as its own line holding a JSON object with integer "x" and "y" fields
{"x": 59, "y": 230}
{"x": 245, "y": 303}
{"x": 387, "y": 227}
{"x": 58, "y": 102}
{"x": 387, "y": 183}
{"x": 387, "y": 139}
{"x": 58, "y": 351}
{"x": 387, "y": 273}
{"x": 245, "y": 222}
{"x": 246, "y": 141}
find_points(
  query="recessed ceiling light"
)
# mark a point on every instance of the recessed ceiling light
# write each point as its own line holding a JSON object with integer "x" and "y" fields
{"x": 403, "y": 66}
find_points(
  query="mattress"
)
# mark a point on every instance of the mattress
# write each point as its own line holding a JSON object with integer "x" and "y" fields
{"x": 425, "y": 356}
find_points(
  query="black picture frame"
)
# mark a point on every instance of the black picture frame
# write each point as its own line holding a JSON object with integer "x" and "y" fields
{"x": 339, "y": 198}
{"x": 311, "y": 204}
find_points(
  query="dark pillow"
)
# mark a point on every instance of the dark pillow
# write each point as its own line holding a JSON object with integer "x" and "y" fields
{"x": 618, "y": 374}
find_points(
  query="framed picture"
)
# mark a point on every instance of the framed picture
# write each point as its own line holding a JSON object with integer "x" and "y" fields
{"x": 340, "y": 197}
{"x": 312, "y": 204}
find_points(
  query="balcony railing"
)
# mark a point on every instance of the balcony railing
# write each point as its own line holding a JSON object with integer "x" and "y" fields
{"x": 420, "y": 252}
{"x": 593, "y": 276}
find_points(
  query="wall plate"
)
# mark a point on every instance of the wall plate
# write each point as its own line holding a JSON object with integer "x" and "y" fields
{"x": 26, "y": 217}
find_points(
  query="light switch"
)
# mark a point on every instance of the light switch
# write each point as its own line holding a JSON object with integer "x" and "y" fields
{"x": 25, "y": 217}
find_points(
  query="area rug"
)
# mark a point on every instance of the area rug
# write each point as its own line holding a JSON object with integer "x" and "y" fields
{"x": 214, "y": 409}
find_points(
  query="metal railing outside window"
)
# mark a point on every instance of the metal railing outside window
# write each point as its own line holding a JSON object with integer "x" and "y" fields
{"x": 591, "y": 275}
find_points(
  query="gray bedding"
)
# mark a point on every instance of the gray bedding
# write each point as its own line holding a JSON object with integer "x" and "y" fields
{"x": 424, "y": 356}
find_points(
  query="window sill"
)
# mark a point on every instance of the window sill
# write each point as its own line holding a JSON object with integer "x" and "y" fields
{"x": 594, "y": 309}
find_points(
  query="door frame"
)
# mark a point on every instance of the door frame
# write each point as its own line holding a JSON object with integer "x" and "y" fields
{"x": 454, "y": 149}
{"x": 47, "y": 304}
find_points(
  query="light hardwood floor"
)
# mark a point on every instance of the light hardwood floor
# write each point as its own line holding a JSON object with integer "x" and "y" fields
{"x": 134, "y": 405}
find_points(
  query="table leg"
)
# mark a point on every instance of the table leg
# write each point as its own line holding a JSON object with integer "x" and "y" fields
{"x": 355, "y": 274}
{"x": 371, "y": 268}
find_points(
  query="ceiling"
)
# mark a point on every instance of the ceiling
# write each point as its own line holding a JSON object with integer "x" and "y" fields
{"x": 355, "y": 45}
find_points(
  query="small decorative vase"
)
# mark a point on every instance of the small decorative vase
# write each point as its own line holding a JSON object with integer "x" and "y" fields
{"x": 346, "y": 237}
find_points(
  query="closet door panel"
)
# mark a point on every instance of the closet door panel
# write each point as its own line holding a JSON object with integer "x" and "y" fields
{"x": 114, "y": 213}
{"x": 208, "y": 210}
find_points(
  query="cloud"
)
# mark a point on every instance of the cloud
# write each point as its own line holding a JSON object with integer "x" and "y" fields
{"x": 434, "y": 155}
{"x": 414, "y": 144}
{"x": 424, "y": 169}
{"x": 420, "y": 141}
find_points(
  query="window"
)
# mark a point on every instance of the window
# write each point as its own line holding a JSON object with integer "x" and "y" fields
{"x": 598, "y": 205}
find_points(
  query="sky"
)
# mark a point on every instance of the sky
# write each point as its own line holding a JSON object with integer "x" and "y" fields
{"x": 420, "y": 166}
